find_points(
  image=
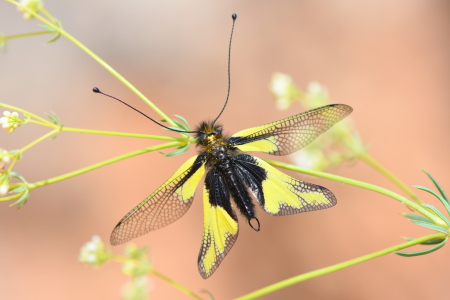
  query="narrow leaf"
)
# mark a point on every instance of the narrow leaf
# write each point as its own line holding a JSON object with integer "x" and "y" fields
{"x": 422, "y": 252}
{"x": 22, "y": 200}
{"x": 50, "y": 28}
{"x": 18, "y": 176}
{"x": 417, "y": 217}
{"x": 438, "y": 212}
{"x": 185, "y": 122}
{"x": 430, "y": 242}
{"x": 180, "y": 125}
{"x": 19, "y": 189}
{"x": 444, "y": 202}
{"x": 436, "y": 183}
{"x": 176, "y": 152}
{"x": 431, "y": 226}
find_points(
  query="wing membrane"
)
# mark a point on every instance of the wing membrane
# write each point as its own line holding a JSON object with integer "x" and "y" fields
{"x": 289, "y": 135}
{"x": 166, "y": 205}
{"x": 220, "y": 228}
{"x": 280, "y": 194}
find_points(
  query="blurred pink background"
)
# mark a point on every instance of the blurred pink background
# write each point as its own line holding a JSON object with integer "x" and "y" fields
{"x": 389, "y": 60}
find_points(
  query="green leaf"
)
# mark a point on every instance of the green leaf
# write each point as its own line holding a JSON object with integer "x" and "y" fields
{"x": 422, "y": 252}
{"x": 417, "y": 217}
{"x": 183, "y": 126}
{"x": 438, "y": 212}
{"x": 56, "y": 29}
{"x": 211, "y": 297}
{"x": 430, "y": 242}
{"x": 185, "y": 122}
{"x": 18, "y": 176}
{"x": 22, "y": 200}
{"x": 431, "y": 226}
{"x": 438, "y": 186}
{"x": 180, "y": 125}
{"x": 443, "y": 201}
{"x": 19, "y": 189}
{"x": 176, "y": 152}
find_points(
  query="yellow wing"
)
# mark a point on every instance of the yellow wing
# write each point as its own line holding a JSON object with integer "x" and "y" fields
{"x": 166, "y": 205}
{"x": 289, "y": 135}
{"x": 280, "y": 194}
{"x": 220, "y": 227}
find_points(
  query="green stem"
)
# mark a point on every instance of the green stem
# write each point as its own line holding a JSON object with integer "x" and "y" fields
{"x": 380, "y": 168}
{"x": 296, "y": 279}
{"x": 176, "y": 285}
{"x": 146, "y": 136}
{"x": 100, "y": 164}
{"x": 40, "y": 123}
{"x": 98, "y": 59}
{"x": 23, "y": 35}
{"x": 368, "y": 186}
{"x": 47, "y": 135}
{"x": 14, "y": 196}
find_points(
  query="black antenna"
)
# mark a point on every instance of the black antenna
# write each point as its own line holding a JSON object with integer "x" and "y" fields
{"x": 96, "y": 90}
{"x": 234, "y": 16}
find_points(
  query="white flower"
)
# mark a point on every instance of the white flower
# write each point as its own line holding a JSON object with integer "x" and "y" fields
{"x": 315, "y": 88}
{"x": 4, "y": 156}
{"x": 283, "y": 103}
{"x": 139, "y": 288}
{"x": 310, "y": 160}
{"x": 280, "y": 85}
{"x": 33, "y": 5}
{"x": 10, "y": 121}
{"x": 4, "y": 188}
{"x": 93, "y": 252}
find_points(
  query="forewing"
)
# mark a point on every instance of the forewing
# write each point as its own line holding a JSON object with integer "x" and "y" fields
{"x": 166, "y": 205}
{"x": 289, "y": 135}
{"x": 280, "y": 194}
{"x": 220, "y": 228}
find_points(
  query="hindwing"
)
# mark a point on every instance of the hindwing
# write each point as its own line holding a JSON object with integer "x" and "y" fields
{"x": 278, "y": 193}
{"x": 220, "y": 226}
{"x": 289, "y": 135}
{"x": 166, "y": 205}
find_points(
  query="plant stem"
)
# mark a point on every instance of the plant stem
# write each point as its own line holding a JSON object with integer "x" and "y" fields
{"x": 23, "y": 35}
{"x": 96, "y": 58}
{"x": 100, "y": 164}
{"x": 175, "y": 284}
{"x": 296, "y": 279}
{"x": 47, "y": 135}
{"x": 368, "y": 159}
{"x": 14, "y": 196}
{"x": 368, "y": 186}
{"x": 40, "y": 123}
{"x": 146, "y": 136}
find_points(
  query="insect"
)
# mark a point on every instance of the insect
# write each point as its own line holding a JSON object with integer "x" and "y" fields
{"x": 233, "y": 174}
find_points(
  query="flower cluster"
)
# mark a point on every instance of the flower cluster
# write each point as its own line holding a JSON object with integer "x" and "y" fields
{"x": 4, "y": 157}
{"x": 4, "y": 175}
{"x": 34, "y": 5}
{"x": 11, "y": 121}
{"x": 135, "y": 264}
{"x": 283, "y": 88}
{"x": 94, "y": 252}
{"x": 339, "y": 144}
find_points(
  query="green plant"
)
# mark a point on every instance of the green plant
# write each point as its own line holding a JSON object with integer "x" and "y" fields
{"x": 344, "y": 138}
